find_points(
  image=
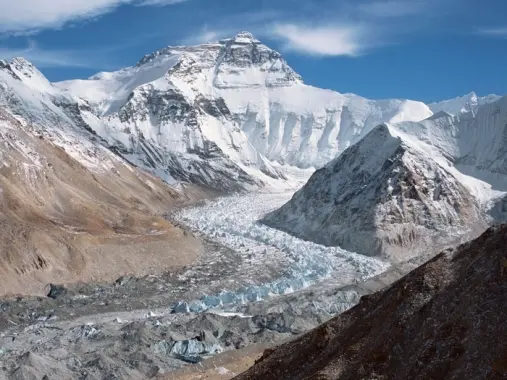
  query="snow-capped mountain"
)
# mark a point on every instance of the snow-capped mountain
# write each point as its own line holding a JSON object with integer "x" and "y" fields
{"x": 233, "y": 106}
{"x": 226, "y": 115}
{"x": 408, "y": 188}
{"x": 383, "y": 195}
{"x": 462, "y": 104}
{"x": 28, "y": 95}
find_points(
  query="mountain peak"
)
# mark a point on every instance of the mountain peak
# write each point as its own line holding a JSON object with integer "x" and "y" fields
{"x": 20, "y": 61}
{"x": 245, "y": 37}
{"x": 462, "y": 104}
{"x": 25, "y": 67}
{"x": 471, "y": 97}
{"x": 26, "y": 71}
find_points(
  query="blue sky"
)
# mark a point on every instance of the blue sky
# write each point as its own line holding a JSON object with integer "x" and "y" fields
{"x": 420, "y": 49}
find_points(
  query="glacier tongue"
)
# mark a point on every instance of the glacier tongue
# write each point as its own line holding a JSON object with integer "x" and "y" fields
{"x": 273, "y": 262}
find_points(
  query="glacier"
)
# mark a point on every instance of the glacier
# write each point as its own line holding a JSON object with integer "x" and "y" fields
{"x": 273, "y": 262}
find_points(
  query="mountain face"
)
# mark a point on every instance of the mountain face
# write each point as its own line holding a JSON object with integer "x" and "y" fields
{"x": 475, "y": 142}
{"x": 408, "y": 188}
{"x": 229, "y": 113}
{"x": 67, "y": 202}
{"x": 389, "y": 195}
{"x": 444, "y": 320}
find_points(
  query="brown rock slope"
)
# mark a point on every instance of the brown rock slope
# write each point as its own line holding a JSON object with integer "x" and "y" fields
{"x": 445, "y": 320}
{"x": 61, "y": 221}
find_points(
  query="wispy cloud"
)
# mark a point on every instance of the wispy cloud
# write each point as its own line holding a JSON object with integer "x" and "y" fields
{"x": 331, "y": 28}
{"x": 22, "y": 16}
{"x": 257, "y": 22}
{"x": 48, "y": 58}
{"x": 500, "y": 32}
{"x": 333, "y": 40}
{"x": 45, "y": 58}
{"x": 206, "y": 35}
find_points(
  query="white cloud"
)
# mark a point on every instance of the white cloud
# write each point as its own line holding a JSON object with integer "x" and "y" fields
{"x": 392, "y": 8}
{"x": 212, "y": 35}
{"x": 205, "y": 36}
{"x": 324, "y": 41}
{"x": 28, "y": 15}
{"x": 209, "y": 36}
{"x": 46, "y": 58}
{"x": 494, "y": 32}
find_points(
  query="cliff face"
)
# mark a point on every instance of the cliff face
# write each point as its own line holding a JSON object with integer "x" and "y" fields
{"x": 444, "y": 320}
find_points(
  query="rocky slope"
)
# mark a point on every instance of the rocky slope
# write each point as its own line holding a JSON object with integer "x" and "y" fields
{"x": 407, "y": 188}
{"x": 444, "y": 320}
{"x": 70, "y": 209}
{"x": 383, "y": 196}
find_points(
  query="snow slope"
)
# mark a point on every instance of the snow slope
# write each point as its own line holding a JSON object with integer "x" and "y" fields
{"x": 27, "y": 94}
{"x": 474, "y": 142}
{"x": 462, "y": 104}
{"x": 75, "y": 124}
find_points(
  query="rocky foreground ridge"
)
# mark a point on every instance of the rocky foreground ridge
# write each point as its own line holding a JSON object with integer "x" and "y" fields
{"x": 444, "y": 320}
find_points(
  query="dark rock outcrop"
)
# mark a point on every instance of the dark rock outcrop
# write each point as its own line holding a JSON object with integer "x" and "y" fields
{"x": 444, "y": 320}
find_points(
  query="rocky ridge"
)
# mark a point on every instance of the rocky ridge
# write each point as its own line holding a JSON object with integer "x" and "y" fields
{"x": 66, "y": 199}
{"x": 444, "y": 320}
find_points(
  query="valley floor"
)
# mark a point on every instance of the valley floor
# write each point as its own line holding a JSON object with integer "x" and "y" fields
{"x": 253, "y": 285}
